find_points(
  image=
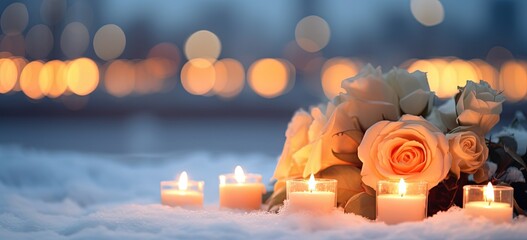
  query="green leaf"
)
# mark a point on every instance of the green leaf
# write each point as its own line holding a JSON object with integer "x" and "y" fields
{"x": 515, "y": 156}
{"x": 276, "y": 200}
{"x": 349, "y": 181}
{"x": 362, "y": 204}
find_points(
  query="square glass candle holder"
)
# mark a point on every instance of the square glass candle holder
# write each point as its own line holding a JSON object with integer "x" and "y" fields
{"x": 478, "y": 202}
{"x": 241, "y": 193}
{"x": 190, "y": 197}
{"x": 318, "y": 196}
{"x": 399, "y": 201}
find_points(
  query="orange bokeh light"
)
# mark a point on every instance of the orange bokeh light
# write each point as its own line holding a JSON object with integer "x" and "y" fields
{"x": 487, "y": 72}
{"x": 513, "y": 81}
{"x": 8, "y": 75}
{"x": 464, "y": 71}
{"x": 166, "y": 57}
{"x": 334, "y": 71}
{"x": 269, "y": 77}
{"x": 449, "y": 84}
{"x": 29, "y": 80}
{"x": 119, "y": 78}
{"x": 52, "y": 78}
{"x": 20, "y": 64}
{"x": 230, "y": 78}
{"x": 198, "y": 76}
{"x": 82, "y": 76}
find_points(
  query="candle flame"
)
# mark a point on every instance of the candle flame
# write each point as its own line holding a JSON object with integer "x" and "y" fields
{"x": 402, "y": 187}
{"x": 312, "y": 183}
{"x": 183, "y": 181}
{"x": 488, "y": 193}
{"x": 239, "y": 175}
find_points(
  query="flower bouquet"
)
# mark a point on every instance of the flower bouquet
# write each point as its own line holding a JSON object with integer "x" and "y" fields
{"x": 387, "y": 127}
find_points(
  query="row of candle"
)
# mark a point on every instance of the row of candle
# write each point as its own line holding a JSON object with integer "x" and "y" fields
{"x": 237, "y": 191}
{"x": 396, "y": 201}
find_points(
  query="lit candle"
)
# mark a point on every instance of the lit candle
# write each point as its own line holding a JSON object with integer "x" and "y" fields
{"x": 183, "y": 193}
{"x": 483, "y": 201}
{"x": 313, "y": 195}
{"x": 241, "y": 191}
{"x": 401, "y": 202}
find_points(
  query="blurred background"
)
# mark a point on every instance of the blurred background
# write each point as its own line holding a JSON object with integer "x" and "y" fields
{"x": 140, "y": 77}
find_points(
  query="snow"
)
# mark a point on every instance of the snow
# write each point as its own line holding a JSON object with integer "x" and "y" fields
{"x": 68, "y": 195}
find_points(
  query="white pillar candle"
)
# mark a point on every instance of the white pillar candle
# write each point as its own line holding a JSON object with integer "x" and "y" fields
{"x": 241, "y": 191}
{"x": 395, "y": 204}
{"x": 313, "y": 195}
{"x": 182, "y": 193}
{"x": 494, "y": 203}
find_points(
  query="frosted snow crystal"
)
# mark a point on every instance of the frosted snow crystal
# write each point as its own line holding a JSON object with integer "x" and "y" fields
{"x": 58, "y": 195}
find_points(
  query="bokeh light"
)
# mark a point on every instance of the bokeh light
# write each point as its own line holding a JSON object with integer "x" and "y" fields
{"x": 464, "y": 71}
{"x": 74, "y": 40}
{"x": 39, "y": 41}
{"x": 149, "y": 75}
{"x": 449, "y": 82}
{"x": 20, "y": 64}
{"x": 198, "y": 76}
{"x": 109, "y": 42}
{"x": 29, "y": 80}
{"x": 165, "y": 58}
{"x": 312, "y": 33}
{"x": 488, "y": 72}
{"x": 333, "y": 72}
{"x": 82, "y": 76}
{"x": 119, "y": 78}
{"x": 13, "y": 44}
{"x": 427, "y": 12}
{"x": 269, "y": 77}
{"x": 52, "y": 78}
{"x": 203, "y": 44}
{"x": 498, "y": 55}
{"x": 8, "y": 75}
{"x": 513, "y": 81}
{"x": 14, "y": 19}
{"x": 301, "y": 59}
{"x": 53, "y": 11}
{"x": 230, "y": 78}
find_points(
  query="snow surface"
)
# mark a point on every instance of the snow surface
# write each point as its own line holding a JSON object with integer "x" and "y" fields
{"x": 65, "y": 195}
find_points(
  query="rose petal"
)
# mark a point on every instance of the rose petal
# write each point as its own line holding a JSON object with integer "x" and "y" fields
{"x": 415, "y": 103}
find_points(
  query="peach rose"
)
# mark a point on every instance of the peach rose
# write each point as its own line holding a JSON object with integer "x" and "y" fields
{"x": 468, "y": 148}
{"x": 411, "y": 148}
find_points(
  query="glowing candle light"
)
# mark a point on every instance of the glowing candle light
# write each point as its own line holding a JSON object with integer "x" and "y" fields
{"x": 494, "y": 203}
{"x": 241, "y": 191}
{"x": 183, "y": 193}
{"x": 313, "y": 195}
{"x": 401, "y": 201}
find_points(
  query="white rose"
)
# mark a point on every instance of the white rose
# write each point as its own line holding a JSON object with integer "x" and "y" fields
{"x": 369, "y": 98}
{"x": 413, "y": 90}
{"x": 296, "y": 138}
{"x": 479, "y": 105}
{"x": 318, "y": 154}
